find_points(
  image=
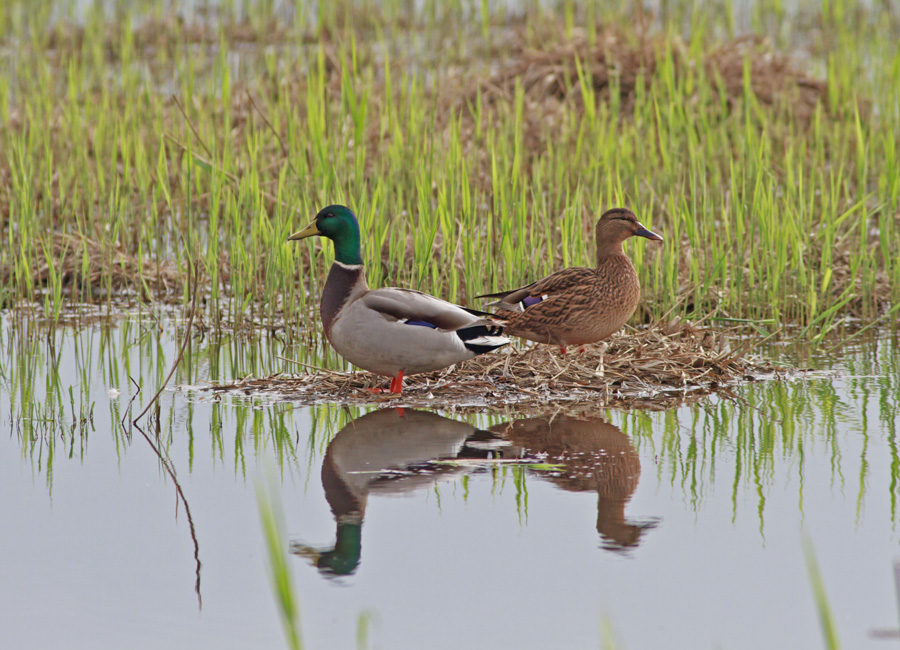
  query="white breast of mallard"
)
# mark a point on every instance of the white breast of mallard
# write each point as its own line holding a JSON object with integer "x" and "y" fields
{"x": 385, "y": 345}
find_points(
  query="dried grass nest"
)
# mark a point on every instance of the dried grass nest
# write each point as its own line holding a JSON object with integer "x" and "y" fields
{"x": 656, "y": 367}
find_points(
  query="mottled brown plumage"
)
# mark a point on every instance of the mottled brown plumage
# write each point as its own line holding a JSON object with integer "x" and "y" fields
{"x": 579, "y": 305}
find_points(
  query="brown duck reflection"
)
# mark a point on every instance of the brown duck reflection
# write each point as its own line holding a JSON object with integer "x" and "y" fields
{"x": 387, "y": 451}
{"x": 595, "y": 456}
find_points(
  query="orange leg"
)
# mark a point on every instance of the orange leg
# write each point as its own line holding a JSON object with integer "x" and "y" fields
{"x": 397, "y": 383}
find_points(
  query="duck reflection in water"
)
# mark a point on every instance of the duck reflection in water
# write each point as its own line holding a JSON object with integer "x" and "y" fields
{"x": 595, "y": 456}
{"x": 389, "y": 451}
{"x": 398, "y": 450}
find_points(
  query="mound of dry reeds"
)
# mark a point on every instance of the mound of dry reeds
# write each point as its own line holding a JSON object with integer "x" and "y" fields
{"x": 615, "y": 63}
{"x": 654, "y": 367}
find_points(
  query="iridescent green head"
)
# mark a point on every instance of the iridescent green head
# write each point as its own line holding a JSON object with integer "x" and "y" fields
{"x": 339, "y": 224}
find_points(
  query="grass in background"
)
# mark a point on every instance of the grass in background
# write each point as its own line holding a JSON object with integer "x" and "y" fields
{"x": 131, "y": 136}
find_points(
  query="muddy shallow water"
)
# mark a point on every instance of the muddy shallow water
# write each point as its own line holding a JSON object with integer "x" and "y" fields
{"x": 573, "y": 527}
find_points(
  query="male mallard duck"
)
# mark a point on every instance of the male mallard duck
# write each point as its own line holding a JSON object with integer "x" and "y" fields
{"x": 578, "y": 305}
{"x": 390, "y": 331}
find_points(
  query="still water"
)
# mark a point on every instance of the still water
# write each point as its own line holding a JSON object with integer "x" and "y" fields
{"x": 571, "y": 527}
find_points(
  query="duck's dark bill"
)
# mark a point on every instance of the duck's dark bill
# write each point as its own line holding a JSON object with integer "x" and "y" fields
{"x": 309, "y": 231}
{"x": 643, "y": 232}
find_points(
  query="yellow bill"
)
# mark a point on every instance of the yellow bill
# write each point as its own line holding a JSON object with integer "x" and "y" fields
{"x": 309, "y": 231}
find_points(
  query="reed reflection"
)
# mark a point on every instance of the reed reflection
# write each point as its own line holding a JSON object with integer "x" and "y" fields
{"x": 398, "y": 450}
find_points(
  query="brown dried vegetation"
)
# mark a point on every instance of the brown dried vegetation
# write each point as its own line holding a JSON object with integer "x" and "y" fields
{"x": 654, "y": 368}
{"x": 615, "y": 63}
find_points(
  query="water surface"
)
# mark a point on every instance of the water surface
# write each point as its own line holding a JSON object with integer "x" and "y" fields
{"x": 567, "y": 528}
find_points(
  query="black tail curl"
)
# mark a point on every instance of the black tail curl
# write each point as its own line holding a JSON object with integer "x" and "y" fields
{"x": 470, "y": 336}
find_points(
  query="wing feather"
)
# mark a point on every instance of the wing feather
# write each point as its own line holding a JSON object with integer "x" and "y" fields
{"x": 411, "y": 305}
{"x": 555, "y": 283}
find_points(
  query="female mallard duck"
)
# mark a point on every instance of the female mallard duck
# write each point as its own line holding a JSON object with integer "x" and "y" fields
{"x": 390, "y": 331}
{"x": 578, "y": 305}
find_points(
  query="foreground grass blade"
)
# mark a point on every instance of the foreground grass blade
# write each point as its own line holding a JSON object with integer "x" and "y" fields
{"x": 826, "y": 618}
{"x": 279, "y": 570}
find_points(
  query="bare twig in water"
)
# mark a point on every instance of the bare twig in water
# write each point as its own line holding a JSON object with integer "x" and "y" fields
{"x": 170, "y": 470}
{"x": 312, "y": 367}
{"x": 184, "y": 342}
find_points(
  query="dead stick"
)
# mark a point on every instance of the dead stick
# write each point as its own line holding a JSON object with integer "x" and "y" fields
{"x": 184, "y": 342}
{"x": 191, "y": 124}
{"x": 234, "y": 179}
{"x": 284, "y": 147}
{"x": 343, "y": 375}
